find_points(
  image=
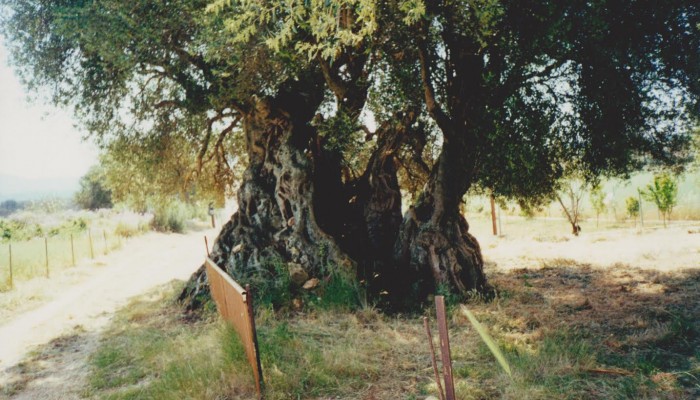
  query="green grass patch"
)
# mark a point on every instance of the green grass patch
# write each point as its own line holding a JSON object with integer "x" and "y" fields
{"x": 150, "y": 352}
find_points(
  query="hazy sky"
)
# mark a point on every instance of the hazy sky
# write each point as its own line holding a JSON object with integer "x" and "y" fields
{"x": 37, "y": 140}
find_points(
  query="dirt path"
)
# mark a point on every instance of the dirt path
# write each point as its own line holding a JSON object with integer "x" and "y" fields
{"x": 70, "y": 323}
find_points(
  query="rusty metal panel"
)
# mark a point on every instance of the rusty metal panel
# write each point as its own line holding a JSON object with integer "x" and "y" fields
{"x": 445, "y": 347}
{"x": 235, "y": 306}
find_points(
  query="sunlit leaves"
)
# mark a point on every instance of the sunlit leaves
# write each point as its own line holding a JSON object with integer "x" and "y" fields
{"x": 413, "y": 11}
{"x": 310, "y": 27}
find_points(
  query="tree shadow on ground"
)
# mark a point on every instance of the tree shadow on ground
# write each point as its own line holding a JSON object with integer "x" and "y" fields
{"x": 643, "y": 323}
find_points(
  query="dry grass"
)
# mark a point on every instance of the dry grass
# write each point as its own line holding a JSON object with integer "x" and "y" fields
{"x": 568, "y": 330}
{"x": 639, "y": 327}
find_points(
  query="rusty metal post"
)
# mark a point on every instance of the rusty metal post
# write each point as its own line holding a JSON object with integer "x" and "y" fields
{"x": 46, "y": 252}
{"x": 235, "y": 304}
{"x": 445, "y": 347}
{"x": 493, "y": 215}
{"x": 441, "y": 392}
{"x": 206, "y": 244}
{"x": 72, "y": 249}
{"x": 259, "y": 385}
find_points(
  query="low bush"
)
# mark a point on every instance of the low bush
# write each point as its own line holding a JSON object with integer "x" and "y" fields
{"x": 126, "y": 230}
{"x": 171, "y": 218}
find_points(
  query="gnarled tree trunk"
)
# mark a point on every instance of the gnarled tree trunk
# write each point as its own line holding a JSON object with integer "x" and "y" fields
{"x": 275, "y": 230}
{"x": 434, "y": 246}
{"x": 296, "y": 216}
{"x": 377, "y": 204}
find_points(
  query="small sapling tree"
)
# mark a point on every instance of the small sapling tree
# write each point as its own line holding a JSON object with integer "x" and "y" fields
{"x": 598, "y": 201}
{"x": 664, "y": 193}
{"x": 632, "y": 207}
{"x": 572, "y": 191}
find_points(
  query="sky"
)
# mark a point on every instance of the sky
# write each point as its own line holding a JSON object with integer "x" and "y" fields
{"x": 37, "y": 141}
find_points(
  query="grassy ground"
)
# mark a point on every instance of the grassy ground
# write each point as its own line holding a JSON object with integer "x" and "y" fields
{"x": 569, "y": 331}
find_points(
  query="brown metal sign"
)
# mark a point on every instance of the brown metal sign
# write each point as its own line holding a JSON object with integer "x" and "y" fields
{"x": 235, "y": 305}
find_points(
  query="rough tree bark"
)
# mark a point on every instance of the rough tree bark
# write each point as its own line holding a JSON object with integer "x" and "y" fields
{"x": 434, "y": 245}
{"x": 376, "y": 197}
{"x": 276, "y": 223}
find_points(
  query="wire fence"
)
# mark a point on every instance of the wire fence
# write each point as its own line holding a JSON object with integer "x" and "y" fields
{"x": 42, "y": 256}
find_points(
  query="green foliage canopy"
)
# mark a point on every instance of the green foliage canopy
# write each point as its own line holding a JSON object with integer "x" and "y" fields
{"x": 520, "y": 91}
{"x": 135, "y": 74}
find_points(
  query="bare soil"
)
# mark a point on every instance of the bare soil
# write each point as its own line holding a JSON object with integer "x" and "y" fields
{"x": 531, "y": 243}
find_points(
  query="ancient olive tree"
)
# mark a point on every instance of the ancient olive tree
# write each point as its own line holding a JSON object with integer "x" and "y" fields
{"x": 509, "y": 96}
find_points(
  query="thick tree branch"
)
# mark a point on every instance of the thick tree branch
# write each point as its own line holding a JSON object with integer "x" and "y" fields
{"x": 350, "y": 92}
{"x": 205, "y": 143}
{"x": 518, "y": 77}
{"x": 168, "y": 103}
{"x": 434, "y": 108}
{"x": 334, "y": 83}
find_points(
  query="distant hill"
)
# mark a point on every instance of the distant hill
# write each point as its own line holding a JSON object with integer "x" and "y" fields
{"x": 24, "y": 189}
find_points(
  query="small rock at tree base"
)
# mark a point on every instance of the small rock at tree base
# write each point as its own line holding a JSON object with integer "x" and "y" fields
{"x": 297, "y": 273}
{"x": 310, "y": 284}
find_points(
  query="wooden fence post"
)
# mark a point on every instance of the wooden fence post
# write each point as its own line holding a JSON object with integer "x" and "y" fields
{"x": 641, "y": 212}
{"x": 72, "y": 249}
{"x": 12, "y": 285}
{"x": 92, "y": 250}
{"x": 46, "y": 252}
